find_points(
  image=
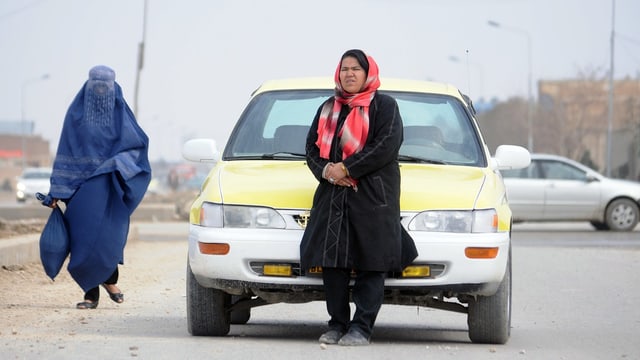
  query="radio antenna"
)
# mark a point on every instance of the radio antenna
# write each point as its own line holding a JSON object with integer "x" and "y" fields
{"x": 468, "y": 73}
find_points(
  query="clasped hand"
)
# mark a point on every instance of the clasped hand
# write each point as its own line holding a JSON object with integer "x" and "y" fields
{"x": 335, "y": 173}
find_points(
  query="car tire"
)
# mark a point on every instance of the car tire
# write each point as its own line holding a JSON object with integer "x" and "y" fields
{"x": 241, "y": 316}
{"x": 489, "y": 317}
{"x": 206, "y": 309}
{"x": 622, "y": 215}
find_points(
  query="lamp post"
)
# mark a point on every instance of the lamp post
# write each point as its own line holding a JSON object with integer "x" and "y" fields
{"x": 23, "y": 121}
{"x": 529, "y": 80}
{"x": 611, "y": 84}
{"x": 140, "y": 60}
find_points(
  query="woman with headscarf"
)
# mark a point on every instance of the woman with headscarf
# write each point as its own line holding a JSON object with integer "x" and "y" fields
{"x": 354, "y": 228}
{"x": 101, "y": 172}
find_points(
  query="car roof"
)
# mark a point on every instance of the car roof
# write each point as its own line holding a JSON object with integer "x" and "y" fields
{"x": 552, "y": 157}
{"x": 389, "y": 84}
{"x": 543, "y": 156}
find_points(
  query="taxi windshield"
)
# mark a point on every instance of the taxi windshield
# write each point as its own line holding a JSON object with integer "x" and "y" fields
{"x": 437, "y": 128}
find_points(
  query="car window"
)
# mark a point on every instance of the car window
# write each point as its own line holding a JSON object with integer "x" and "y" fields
{"x": 561, "y": 171}
{"x": 275, "y": 122}
{"x": 437, "y": 128}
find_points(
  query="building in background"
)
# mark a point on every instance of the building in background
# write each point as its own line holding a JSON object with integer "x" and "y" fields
{"x": 573, "y": 119}
{"x": 20, "y": 146}
{"x": 570, "y": 118}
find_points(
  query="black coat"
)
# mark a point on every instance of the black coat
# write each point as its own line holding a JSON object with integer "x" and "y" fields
{"x": 360, "y": 229}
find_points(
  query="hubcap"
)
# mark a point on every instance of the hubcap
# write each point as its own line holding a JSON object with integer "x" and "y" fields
{"x": 623, "y": 215}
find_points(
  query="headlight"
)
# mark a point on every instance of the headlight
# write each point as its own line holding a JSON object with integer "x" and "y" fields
{"x": 233, "y": 216}
{"x": 20, "y": 186}
{"x": 456, "y": 221}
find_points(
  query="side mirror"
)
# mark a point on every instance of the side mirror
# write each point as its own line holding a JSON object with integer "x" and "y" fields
{"x": 200, "y": 150}
{"x": 511, "y": 157}
{"x": 590, "y": 177}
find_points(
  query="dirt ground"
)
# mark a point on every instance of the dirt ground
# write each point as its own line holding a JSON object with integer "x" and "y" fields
{"x": 39, "y": 318}
{"x": 35, "y": 309}
{"x": 28, "y": 292}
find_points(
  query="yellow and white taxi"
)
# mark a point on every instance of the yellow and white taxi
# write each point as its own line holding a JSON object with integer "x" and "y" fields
{"x": 247, "y": 222}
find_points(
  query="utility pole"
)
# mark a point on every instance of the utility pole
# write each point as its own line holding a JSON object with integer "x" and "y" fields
{"x": 140, "y": 60}
{"x": 610, "y": 113}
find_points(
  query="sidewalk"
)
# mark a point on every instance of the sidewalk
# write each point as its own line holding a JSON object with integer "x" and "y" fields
{"x": 24, "y": 249}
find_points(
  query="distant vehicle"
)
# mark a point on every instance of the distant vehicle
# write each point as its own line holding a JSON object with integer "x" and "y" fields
{"x": 31, "y": 181}
{"x": 554, "y": 188}
{"x": 246, "y": 223}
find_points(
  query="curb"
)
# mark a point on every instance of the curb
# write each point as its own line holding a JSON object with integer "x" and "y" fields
{"x": 21, "y": 250}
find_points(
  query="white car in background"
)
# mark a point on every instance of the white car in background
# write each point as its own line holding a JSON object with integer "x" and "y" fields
{"x": 32, "y": 181}
{"x": 554, "y": 188}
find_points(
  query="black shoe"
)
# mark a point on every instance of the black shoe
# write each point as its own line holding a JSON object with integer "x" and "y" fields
{"x": 87, "y": 305}
{"x": 331, "y": 337}
{"x": 116, "y": 297}
{"x": 353, "y": 338}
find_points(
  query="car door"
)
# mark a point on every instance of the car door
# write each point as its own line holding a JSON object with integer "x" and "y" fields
{"x": 525, "y": 192}
{"x": 569, "y": 193}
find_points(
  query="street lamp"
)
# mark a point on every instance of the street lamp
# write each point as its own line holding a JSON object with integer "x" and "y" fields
{"x": 140, "y": 60}
{"x": 529, "y": 90}
{"x": 23, "y": 122}
{"x": 611, "y": 84}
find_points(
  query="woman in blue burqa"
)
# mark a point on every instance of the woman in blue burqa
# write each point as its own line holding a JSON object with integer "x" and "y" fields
{"x": 101, "y": 173}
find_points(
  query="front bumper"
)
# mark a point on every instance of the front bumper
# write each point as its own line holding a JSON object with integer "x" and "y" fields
{"x": 236, "y": 272}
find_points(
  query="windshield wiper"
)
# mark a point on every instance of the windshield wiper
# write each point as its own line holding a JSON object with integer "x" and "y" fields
{"x": 269, "y": 156}
{"x": 278, "y": 154}
{"x": 419, "y": 160}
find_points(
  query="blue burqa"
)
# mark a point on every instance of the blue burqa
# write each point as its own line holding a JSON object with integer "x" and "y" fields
{"x": 101, "y": 171}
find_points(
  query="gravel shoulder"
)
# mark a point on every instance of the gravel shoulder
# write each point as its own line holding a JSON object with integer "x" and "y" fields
{"x": 38, "y": 310}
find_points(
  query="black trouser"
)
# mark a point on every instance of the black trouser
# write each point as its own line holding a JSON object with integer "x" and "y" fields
{"x": 368, "y": 293}
{"x": 94, "y": 294}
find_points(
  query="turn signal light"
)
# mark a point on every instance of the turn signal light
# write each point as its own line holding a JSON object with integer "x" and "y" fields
{"x": 481, "y": 252}
{"x": 213, "y": 248}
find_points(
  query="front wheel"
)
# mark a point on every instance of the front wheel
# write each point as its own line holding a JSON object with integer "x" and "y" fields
{"x": 489, "y": 317}
{"x": 207, "y": 313}
{"x": 622, "y": 215}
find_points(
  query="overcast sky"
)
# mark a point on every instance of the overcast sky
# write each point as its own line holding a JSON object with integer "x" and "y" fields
{"x": 204, "y": 57}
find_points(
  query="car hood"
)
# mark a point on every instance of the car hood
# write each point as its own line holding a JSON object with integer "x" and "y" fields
{"x": 447, "y": 187}
{"x": 39, "y": 184}
{"x": 280, "y": 184}
{"x": 290, "y": 185}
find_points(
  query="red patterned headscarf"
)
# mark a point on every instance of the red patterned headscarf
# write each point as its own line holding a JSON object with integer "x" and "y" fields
{"x": 353, "y": 134}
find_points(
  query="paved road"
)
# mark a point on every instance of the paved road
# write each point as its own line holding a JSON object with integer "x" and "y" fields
{"x": 570, "y": 302}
